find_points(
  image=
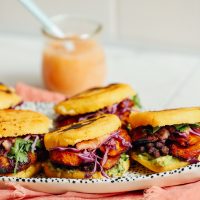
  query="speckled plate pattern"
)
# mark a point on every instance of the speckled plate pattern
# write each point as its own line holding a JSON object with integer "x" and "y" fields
{"x": 138, "y": 177}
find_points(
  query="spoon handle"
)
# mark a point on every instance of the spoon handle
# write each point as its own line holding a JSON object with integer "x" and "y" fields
{"x": 44, "y": 20}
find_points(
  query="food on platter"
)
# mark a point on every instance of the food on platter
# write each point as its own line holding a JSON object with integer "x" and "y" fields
{"x": 119, "y": 99}
{"x": 21, "y": 142}
{"x": 8, "y": 97}
{"x": 166, "y": 140}
{"x": 92, "y": 148}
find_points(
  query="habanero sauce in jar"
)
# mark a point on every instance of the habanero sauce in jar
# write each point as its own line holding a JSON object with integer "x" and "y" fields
{"x": 76, "y": 62}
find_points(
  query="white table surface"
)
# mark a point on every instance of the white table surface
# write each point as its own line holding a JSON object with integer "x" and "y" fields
{"x": 162, "y": 79}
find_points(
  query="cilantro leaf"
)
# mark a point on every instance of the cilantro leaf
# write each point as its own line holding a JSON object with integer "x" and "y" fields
{"x": 129, "y": 127}
{"x": 38, "y": 144}
{"x": 195, "y": 125}
{"x": 19, "y": 151}
{"x": 150, "y": 129}
{"x": 181, "y": 127}
{"x": 155, "y": 129}
{"x": 22, "y": 157}
{"x": 136, "y": 101}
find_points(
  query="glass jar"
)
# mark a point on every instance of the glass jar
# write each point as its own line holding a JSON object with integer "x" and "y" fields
{"x": 76, "y": 62}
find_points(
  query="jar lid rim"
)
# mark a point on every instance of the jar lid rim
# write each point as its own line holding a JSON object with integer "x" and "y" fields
{"x": 97, "y": 27}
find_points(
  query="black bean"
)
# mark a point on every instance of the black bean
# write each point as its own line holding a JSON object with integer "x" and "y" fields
{"x": 162, "y": 141}
{"x": 163, "y": 134}
{"x": 171, "y": 129}
{"x": 159, "y": 145}
{"x": 165, "y": 150}
{"x": 142, "y": 149}
{"x": 156, "y": 153}
{"x": 151, "y": 150}
{"x": 149, "y": 145}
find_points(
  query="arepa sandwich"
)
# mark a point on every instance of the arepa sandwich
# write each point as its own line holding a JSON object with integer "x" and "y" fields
{"x": 8, "y": 97}
{"x": 119, "y": 99}
{"x": 166, "y": 140}
{"x": 21, "y": 142}
{"x": 93, "y": 148}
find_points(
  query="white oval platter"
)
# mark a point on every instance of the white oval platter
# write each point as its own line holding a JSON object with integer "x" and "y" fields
{"x": 138, "y": 178}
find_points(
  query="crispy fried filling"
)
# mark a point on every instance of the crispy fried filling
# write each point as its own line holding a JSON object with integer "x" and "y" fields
{"x": 8, "y": 165}
{"x": 181, "y": 141}
{"x": 122, "y": 110}
{"x": 102, "y": 156}
{"x": 17, "y": 154}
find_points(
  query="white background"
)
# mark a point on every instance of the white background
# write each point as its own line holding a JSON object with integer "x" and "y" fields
{"x": 153, "y": 45}
{"x": 159, "y": 23}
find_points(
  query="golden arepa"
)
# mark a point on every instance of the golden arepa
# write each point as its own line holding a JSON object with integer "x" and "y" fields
{"x": 95, "y": 99}
{"x": 14, "y": 123}
{"x": 165, "y": 117}
{"x": 8, "y": 97}
{"x": 81, "y": 131}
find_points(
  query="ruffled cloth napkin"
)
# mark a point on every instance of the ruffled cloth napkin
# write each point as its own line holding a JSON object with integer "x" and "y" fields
{"x": 182, "y": 192}
{"x": 15, "y": 191}
{"x": 29, "y": 93}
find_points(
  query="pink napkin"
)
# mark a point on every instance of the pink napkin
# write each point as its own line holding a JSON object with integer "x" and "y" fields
{"x": 182, "y": 192}
{"x": 29, "y": 93}
{"x": 14, "y": 191}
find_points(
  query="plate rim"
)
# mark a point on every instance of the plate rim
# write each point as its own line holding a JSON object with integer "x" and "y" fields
{"x": 129, "y": 177}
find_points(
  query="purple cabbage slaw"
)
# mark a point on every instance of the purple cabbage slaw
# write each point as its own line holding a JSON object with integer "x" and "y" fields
{"x": 33, "y": 146}
{"x": 193, "y": 160}
{"x": 36, "y": 138}
{"x": 119, "y": 109}
{"x": 91, "y": 156}
{"x": 195, "y": 131}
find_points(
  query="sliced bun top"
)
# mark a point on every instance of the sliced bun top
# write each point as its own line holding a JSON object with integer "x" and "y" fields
{"x": 14, "y": 123}
{"x": 8, "y": 97}
{"x": 166, "y": 117}
{"x": 94, "y": 99}
{"x": 81, "y": 131}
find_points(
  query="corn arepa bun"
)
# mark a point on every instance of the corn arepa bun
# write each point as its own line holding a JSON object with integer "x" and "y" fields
{"x": 94, "y": 99}
{"x": 83, "y": 130}
{"x": 8, "y": 97}
{"x": 27, "y": 173}
{"x": 52, "y": 172}
{"x": 165, "y": 117}
{"x": 15, "y": 123}
{"x": 173, "y": 163}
